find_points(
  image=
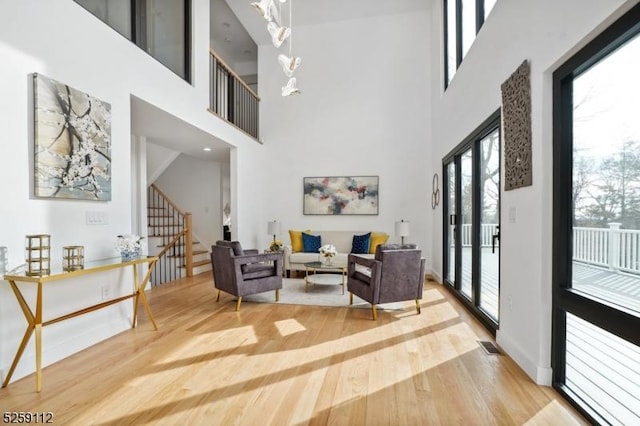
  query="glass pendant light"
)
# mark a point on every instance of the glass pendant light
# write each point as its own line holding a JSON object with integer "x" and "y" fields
{"x": 278, "y": 34}
{"x": 289, "y": 63}
{"x": 290, "y": 88}
{"x": 265, "y": 8}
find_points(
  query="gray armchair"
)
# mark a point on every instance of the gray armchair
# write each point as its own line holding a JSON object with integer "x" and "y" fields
{"x": 395, "y": 274}
{"x": 243, "y": 272}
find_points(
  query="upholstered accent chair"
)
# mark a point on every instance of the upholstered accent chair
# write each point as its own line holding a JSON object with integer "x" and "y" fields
{"x": 243, "y": 272}
{"x": 395, "y": 274}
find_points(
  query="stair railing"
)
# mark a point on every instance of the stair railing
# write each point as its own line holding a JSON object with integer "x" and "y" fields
{"x": 231, "y": 98}
{"x": 174, "y": 227}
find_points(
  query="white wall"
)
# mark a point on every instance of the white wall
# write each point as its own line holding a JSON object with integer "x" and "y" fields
{"x": 546, "y": 33}
{"x": 363, "y": 111}
{"x": 158, "y": 159}
{"x": 63, "y": 41}
{"x": 195, "y": 186}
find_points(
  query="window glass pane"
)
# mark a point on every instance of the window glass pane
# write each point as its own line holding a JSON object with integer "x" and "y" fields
{"x": 488, "y": 5}
{"x": 489, "y": 221}
{"x": 451, "y": 269}
{"x": 115, "y": 13}
{"x": 466, "y": 224}
{"x": 468, "y": 25}
{"x": 451, "y": 40}
{"x": 165, "y": 33}
{"x": 606, "y": 178}
{"x": 604, "y": 370}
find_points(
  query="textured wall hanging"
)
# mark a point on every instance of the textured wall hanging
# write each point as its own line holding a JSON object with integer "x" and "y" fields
{"x": 72, "y": 142}
{"x": 516, "y": 121}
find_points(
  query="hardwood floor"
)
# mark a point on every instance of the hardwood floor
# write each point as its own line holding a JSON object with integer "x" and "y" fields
{"x": 286, "y": 364}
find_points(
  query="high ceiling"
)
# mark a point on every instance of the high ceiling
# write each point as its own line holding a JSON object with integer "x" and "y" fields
{"x": 310, "y": 12}
{"x": 235, "y": 26}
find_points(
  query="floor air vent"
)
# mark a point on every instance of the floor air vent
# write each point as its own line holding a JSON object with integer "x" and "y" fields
{"x": 489, "y": 347}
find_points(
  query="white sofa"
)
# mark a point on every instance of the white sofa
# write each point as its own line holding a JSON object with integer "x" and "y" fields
{"x": 342, "y": 240}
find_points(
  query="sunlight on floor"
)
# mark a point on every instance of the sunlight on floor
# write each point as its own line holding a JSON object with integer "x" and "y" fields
{"x": 551, "y": 414}
{"x": 288, "y": 327}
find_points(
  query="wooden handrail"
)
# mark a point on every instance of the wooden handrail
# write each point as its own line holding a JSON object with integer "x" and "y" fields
{"x": 230, "y": 71}
{"x": 171, "y": 203}
{"x": 188, "y": 241}
{"x": 171, "y": 243}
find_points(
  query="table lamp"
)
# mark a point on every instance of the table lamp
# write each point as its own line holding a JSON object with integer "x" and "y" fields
{"x": 402, "y": 230}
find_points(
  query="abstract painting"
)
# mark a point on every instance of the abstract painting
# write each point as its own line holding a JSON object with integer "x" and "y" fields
{"x": 351, "y": 195}
{"x": 72, "y": 138}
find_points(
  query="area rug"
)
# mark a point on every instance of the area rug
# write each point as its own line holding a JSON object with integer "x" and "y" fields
{"x": 293, "y": 293}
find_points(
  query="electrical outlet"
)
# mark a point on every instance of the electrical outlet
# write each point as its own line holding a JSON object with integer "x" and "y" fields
{"x": 106, "y": 292}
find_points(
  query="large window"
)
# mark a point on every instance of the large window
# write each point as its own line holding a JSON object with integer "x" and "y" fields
{"x": 462, "y": 21}
{"x": 596, "y": 355}
{"x": 159, "y": 27}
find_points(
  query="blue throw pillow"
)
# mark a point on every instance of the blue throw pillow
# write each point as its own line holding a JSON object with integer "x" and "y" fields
{"x": 361, "y": 243}
{"x": 311, "y": 243}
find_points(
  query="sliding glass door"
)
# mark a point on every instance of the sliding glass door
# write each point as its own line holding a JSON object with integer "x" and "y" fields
{"x": 596, "y": 315}
{"x": 472, "y": 221}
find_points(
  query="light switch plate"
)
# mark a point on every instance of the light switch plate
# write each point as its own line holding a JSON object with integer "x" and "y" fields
{"x": 97, "y": 218}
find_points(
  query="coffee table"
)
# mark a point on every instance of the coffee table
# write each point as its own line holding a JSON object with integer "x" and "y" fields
{"x": 334, "y": 274}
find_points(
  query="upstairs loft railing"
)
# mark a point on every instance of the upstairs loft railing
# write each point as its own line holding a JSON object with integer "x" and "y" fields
{"x": 174, "y": 228}
{"x": 231, "y": 99}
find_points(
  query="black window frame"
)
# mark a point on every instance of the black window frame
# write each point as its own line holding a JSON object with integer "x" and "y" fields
{"x": 470, "y": 142}
{"x": 480, "y": 19}
{"x": 611, "y": 318}
{"x": 139, "y": 38}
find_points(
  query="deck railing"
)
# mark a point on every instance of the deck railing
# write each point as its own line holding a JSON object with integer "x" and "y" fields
{"x": 612, "y": 247}
{"x": 231, "y": 99}
{"x": 487, "y": 230}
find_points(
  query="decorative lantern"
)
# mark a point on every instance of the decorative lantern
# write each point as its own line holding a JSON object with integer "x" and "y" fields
{"x": 72, "y": 258}
{"x": 38, "y": 254}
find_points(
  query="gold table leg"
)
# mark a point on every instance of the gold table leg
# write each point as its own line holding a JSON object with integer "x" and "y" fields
{"x": 34, "y": 324}
{"x": 141, "y": 296}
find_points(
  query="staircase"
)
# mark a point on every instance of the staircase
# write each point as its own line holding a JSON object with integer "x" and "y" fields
{"x": 171, "y": 239}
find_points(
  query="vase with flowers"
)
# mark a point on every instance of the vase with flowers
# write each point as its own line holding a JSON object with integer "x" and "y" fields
{"x": 275, "y": 246}
{"x": 328, "y": 252}
{"x": 129, "y": 246}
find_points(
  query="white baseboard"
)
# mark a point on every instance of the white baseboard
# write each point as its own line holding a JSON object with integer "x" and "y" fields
{"x": 435, "y": 276}
{"x": 539, "y": 374}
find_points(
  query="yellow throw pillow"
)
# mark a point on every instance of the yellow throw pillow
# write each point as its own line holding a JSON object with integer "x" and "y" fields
{"x": 296, "y": 240}
{"x": 377, "y": 238}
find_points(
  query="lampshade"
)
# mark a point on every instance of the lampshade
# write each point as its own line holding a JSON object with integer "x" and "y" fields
{"x": 402, "y": 229}
{"x": 290, "y": 88}
{"x": 278, "y": 34}
{"x": 265, "y": 8}
{"x": 273, "y": 227}
{"x": 289, "y": 63}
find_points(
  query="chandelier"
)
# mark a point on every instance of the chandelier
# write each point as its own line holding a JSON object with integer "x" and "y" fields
{"x": 279, "y": 34}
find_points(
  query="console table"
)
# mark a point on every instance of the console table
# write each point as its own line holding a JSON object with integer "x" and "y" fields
{"x": 35, "y": 322}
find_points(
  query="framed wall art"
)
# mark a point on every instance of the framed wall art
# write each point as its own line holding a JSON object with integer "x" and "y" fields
{"x": 72, "y": 142}
{"x": 348, "y": 195}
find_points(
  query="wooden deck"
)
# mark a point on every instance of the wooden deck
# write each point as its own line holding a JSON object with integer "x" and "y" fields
{"x": 604, "y": 370}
